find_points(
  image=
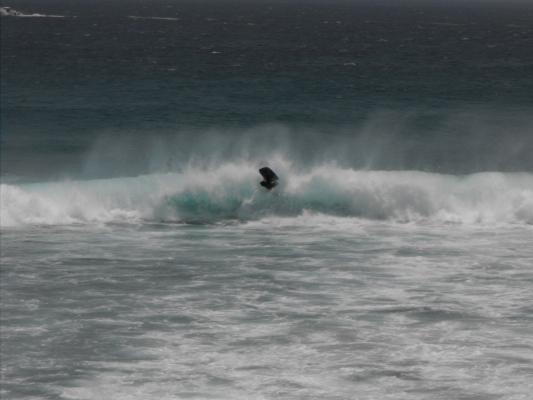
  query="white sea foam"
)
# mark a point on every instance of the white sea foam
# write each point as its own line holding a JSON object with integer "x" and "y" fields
{"x": 155, "y": 18}
{"x": 230, "y": 192}
{"x": 9, "y": 12}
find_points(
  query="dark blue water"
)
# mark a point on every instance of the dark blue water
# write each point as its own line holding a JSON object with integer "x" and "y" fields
{"x": 421, "y": 85}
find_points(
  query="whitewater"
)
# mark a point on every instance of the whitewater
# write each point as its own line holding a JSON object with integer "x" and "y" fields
{"x": 198, "y": 284}
{"x": 230, "y": 192}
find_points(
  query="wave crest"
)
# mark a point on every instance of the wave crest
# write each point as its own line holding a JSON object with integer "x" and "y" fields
{"x": 231, "y": 192}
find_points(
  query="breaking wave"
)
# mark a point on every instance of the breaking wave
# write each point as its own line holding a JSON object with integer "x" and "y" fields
{"x": 231, "y": 192}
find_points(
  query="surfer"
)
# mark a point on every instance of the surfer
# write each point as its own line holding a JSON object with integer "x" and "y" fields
{"x": 270, "y": 179}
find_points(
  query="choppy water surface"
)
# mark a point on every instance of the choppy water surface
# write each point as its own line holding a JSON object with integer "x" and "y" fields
{"x": 140, "y": 259}
{"x": 305, "y": 307}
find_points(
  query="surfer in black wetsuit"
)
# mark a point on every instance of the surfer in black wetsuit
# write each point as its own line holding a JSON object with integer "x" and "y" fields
{"x": 270, "y": 179}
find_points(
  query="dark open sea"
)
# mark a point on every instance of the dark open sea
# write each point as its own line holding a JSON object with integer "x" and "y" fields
{"x": 140, "y": 258}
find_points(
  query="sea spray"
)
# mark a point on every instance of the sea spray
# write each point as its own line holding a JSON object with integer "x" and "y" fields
{"x": 231, "y": 192}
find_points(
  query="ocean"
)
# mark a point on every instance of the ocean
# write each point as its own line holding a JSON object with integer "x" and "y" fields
{"x": 141, "y": 259}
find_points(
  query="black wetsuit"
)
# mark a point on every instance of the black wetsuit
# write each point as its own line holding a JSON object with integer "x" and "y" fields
{"x": 270, "y": 178}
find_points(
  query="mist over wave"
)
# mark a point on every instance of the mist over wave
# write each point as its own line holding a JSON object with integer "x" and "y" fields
{"x": 449, "y": 142}
{"x": 231, "y": 192}
{"x": 446, "y": 142}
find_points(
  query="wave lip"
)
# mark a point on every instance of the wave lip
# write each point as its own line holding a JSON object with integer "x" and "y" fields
{"x": 231, "y": 192}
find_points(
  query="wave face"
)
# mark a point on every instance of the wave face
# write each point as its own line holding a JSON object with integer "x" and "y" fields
{"x": 231, "y": 192}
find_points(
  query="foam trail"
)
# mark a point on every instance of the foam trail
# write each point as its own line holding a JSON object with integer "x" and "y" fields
{"x": 230, "y": 192}
{"x": 137, "y": 17}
